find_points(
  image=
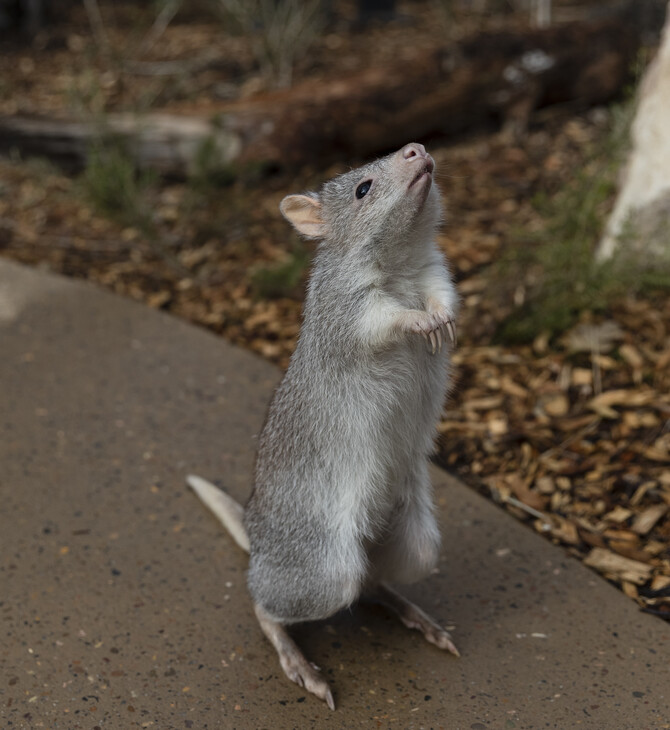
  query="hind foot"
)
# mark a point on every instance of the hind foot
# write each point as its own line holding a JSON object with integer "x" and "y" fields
{"x": 293, "y": 661}
{"x": 415, "y": 618}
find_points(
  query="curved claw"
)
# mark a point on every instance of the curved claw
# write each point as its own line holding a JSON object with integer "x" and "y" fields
{"x": 438, "y": 336}
{"x": 442, "y": 640}
{"x": 452, "y": 649}
{"x": 433, "y": 341}
{"x": 449, "y": 324}
{"x": 446, "y": 334}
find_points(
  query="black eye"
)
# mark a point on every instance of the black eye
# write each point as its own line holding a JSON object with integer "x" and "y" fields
{"x": 363, "y": 189}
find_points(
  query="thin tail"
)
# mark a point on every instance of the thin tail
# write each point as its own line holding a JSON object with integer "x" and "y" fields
{"x": 225, "y": 508}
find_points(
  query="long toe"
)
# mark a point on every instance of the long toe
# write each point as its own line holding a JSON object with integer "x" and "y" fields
{"x": 317, "y": 685}
{"x": 307, "y": 675}
{"x": 443, "y": 640}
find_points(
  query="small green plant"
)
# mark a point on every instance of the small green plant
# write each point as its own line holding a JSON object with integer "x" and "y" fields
{"x": 281, "y": 279}
{"x": 280, "y": 32}
{"x": 114, "y": 186}
{"x": 85, "y": 94}
{"x": 565, "y": 278}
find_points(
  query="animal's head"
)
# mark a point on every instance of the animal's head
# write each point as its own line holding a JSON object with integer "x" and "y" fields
{"x": 377, "y": 205}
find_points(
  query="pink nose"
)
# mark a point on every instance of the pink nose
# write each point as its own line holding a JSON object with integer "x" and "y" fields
{"x": 414, "y": 149}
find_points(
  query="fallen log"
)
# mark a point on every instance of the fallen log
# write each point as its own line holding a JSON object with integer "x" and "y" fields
{"x": 492, "y": 79}
{"x": 165, "y": 143}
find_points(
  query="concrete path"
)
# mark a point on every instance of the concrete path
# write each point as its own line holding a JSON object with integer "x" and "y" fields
{"x": 123, "y": 602}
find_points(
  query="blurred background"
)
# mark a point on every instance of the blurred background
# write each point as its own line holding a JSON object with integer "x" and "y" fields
{"x": 145, "y": 146}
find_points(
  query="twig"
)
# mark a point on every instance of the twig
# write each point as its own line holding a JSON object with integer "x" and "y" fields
{"x": 570, "y": 439}
{"x": 541, "y": 13}
{"x": 533, "y": 512}
{"x": 595, "y": 367}
{"x": 97, "y": 25}
{"x": 163, "y": 19}
{"x": 170, "y": 68}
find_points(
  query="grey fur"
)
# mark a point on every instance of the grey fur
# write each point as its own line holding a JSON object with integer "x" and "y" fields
{"x": 342, "y": 499}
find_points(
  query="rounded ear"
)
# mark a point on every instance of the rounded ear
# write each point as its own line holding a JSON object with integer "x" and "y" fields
{"x": 303, "y": 212}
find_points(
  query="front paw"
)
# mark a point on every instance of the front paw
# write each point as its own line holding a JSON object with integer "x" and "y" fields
{"x": 442, "y": 321}
{"x": 434, "y": 328}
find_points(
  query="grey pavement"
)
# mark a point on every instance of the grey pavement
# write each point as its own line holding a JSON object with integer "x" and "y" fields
{"x": 123, "y": 602}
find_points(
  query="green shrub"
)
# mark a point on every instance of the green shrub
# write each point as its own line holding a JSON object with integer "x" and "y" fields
{"x": 114, "y": 186}
{"x": 281, "y": 279}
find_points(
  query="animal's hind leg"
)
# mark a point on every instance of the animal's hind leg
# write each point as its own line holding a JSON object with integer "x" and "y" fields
{"x": 408, "y": 548}
{"x": 414, "y": 618}
{"x": 293, "y": 661}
